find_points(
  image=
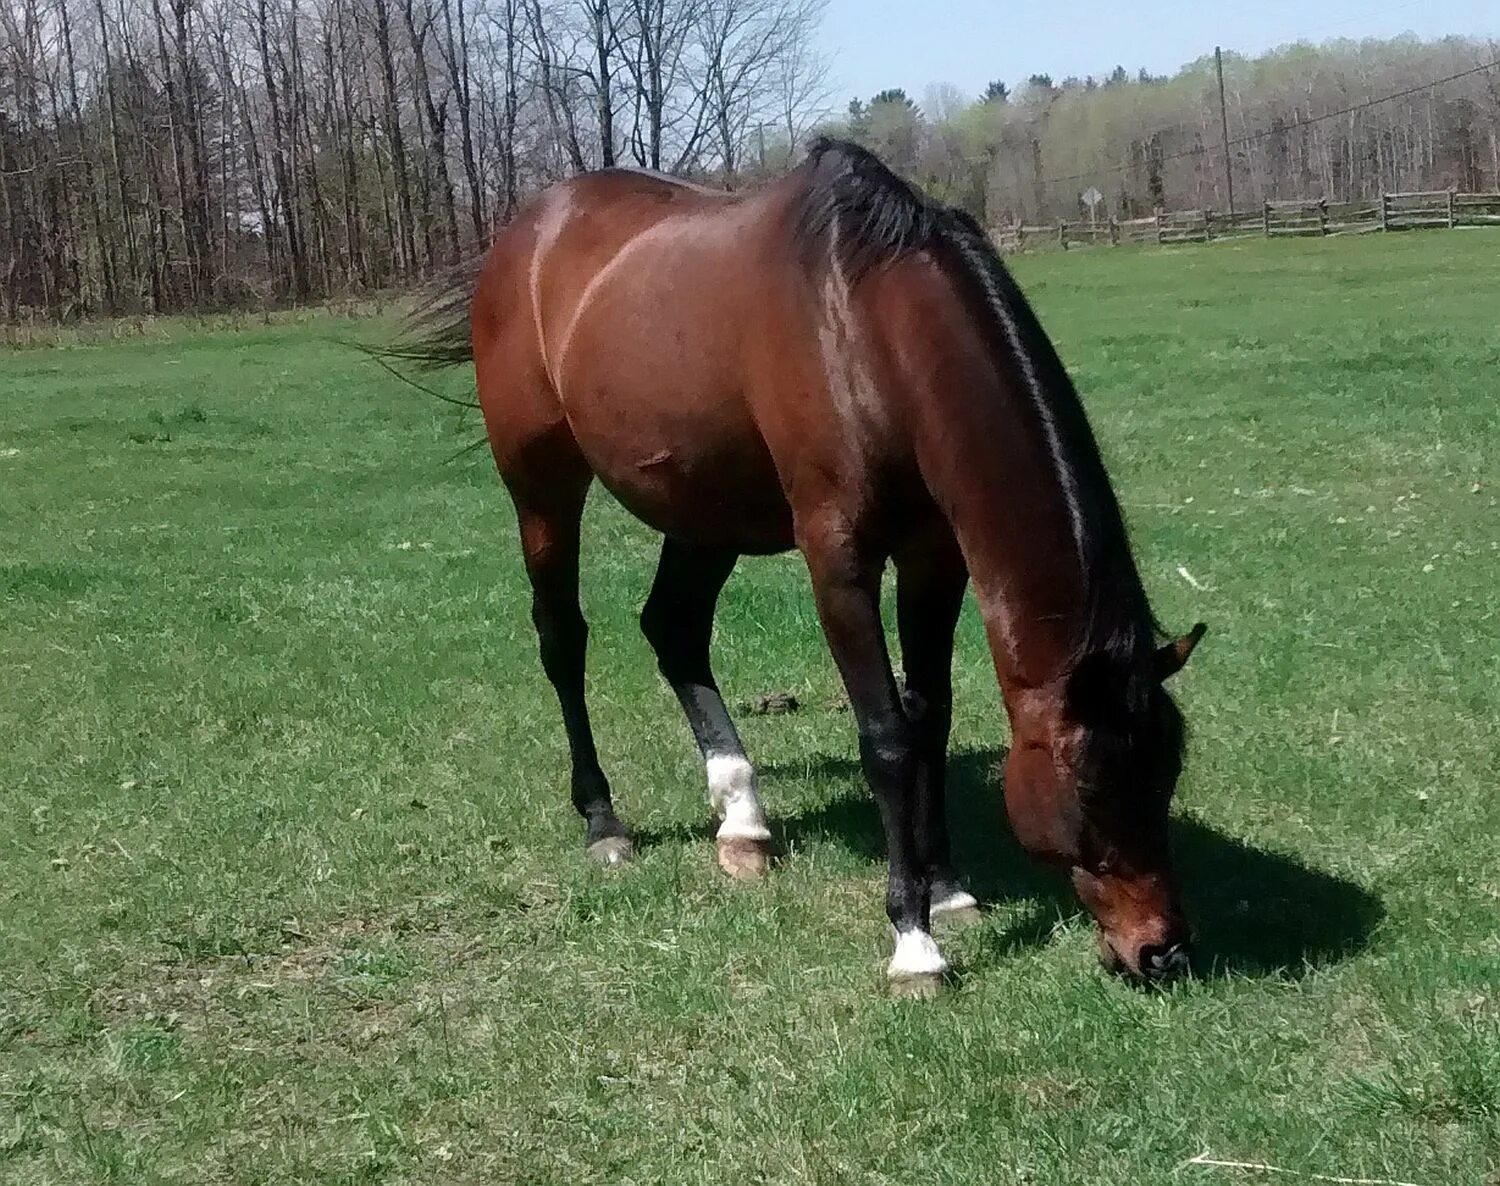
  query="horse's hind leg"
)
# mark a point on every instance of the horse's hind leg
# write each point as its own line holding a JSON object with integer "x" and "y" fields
{"x": 678, "y": 622}
{"x": 549, "y": 525}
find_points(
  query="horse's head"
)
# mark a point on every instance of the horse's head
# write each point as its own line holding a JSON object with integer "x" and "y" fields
{"x": 1089, "y": 780}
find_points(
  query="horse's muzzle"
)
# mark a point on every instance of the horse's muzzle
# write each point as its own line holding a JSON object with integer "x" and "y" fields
{"x": 1162, "y": 965}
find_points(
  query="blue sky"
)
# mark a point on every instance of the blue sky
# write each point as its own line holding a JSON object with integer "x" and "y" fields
{"x": 908, "y": 43}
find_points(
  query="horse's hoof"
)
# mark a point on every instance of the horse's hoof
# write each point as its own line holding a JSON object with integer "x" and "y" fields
{"x": 744, "y": 859}
{"x": 612, "y": 850}
{"x": 959, "y": 908}
{"x": 918, "y": 986}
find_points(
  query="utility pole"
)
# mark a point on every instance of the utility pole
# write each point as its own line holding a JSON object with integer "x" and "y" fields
{"x": 1224, "y": 124}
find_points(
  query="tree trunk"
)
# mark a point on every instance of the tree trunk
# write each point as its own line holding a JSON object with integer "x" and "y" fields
{"x": 604, "y": 84}
{"x": 406, "y": 218}
{"x": 305, "y": 154}
{"x": 456, "y": 55}
{"x": 195, "y": 205}
{"x": 358, "y": 269}
{"x": 301, "y": 287}
{"x": 181, "y": 211}
{"x": 436, "y": 119}
{"x": 106, "y": 255}
{"x": 508, "y": 115}
{"x": 127, "y": 216}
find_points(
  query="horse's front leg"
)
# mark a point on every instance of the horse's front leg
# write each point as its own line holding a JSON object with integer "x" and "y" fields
{"x": 846, "y": 585}
{"x": 930, "y": 582}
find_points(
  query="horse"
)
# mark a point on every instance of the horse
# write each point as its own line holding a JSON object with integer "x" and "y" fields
{"x": 835, "y": 363}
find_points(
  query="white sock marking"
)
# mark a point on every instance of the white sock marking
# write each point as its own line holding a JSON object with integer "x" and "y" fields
{"x": 916, "y": 954}
{"x": 731, "y": 790}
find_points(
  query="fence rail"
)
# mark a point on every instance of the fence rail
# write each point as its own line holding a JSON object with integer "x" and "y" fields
{"x": 1279, "y": 218}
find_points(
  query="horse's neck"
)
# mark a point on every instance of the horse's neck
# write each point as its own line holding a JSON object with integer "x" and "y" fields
{"x": 984, "y": 453}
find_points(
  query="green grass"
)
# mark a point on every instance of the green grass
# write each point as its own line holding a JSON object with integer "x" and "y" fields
{"x": 290, "y": 890}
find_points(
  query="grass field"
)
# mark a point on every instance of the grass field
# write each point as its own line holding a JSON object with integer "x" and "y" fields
{"x": 290, "y": 889}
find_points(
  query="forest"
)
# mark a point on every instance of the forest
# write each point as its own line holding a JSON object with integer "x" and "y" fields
{"x": 173, "y": 155}
{"x": 1343, "y": 121}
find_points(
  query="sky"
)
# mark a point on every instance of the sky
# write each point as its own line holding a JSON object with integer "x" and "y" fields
{"x": 874, "y": 44}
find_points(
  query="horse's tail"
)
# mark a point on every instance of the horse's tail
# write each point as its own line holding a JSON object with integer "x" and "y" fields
{"x": 435, "y": 334}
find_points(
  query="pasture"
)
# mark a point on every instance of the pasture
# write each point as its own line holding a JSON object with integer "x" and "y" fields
{"x": 291, "y": 890}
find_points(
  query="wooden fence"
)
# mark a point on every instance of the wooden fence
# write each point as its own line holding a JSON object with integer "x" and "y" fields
{"x": 1304, "y": 216}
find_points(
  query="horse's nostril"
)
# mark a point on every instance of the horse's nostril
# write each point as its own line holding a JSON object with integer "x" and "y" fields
{"x": 1165, "y": 963}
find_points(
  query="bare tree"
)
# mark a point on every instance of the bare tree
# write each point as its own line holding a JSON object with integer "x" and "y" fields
{"x": 395, "y": 140}
{"x": 170, "y": 154}
{"x": 743, "y": 44}
{"x": 419, "y": 22}
{"x": 86, "y": 158}
{"x": 554, "y": 75}
{"x": 656, "y": 36}
{"x": 455, "y": 52}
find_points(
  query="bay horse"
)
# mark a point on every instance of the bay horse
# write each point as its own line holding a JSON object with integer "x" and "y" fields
{"x": 839, "y": 364}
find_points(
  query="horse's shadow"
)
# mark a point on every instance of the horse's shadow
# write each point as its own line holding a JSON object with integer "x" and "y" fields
{"x": 1256, "y": 912}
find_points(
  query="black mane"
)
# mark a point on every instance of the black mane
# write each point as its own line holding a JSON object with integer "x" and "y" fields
{"x": 854, "y": 203}
{"x": 854, "y": 206}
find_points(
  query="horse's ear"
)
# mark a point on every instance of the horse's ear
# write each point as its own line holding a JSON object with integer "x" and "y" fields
{"x": 1171, "y": 658}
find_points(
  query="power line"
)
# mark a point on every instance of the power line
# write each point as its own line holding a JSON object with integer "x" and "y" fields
{"x": 1291, "y": 127}
{"x": 1357, "y": 19}
{"x": 1181, "y": 125}
{"x": 1426, "y": 86}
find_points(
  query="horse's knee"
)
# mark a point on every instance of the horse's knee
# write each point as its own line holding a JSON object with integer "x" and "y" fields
{"x": 658, "y": 628}
{"x": 887, "y": 748}
{"x": 562, "y": 636}
{"x": 679, "y": 641}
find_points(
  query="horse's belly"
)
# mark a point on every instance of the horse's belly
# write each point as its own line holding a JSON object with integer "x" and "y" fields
{"x": 652, "y": 377}
{"x": 694, "y": 499}
{"x": 694, "y": 468}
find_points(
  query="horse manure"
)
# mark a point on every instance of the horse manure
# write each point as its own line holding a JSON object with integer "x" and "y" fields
{"x": 772, "y": 704}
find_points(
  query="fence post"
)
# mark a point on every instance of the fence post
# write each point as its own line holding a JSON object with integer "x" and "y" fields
{"x": 1385, "y": 211}
{"x": 1062, "y": 233}
{"x": 1266, "y": 218}
{"x": 1452, "y": 208}
{"x": 1161, "y": 226}
{"x": 1114, "y": 231}
{"x": 1322, "y": 216}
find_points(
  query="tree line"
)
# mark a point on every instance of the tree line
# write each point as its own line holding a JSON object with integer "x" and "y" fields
{"x": 1148, "y": 143}
{"x": 161, "y": 155}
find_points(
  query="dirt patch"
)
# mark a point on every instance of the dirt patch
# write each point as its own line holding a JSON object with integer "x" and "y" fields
{"x": 362, "y": 964}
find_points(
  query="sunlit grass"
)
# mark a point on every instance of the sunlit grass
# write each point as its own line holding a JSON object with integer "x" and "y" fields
{"x": 290, "y": 889}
